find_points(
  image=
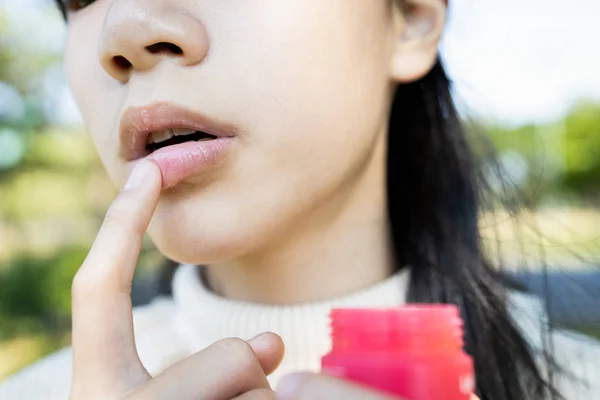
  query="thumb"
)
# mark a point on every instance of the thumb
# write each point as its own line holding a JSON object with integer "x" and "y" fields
{"x": 268, "y": 348}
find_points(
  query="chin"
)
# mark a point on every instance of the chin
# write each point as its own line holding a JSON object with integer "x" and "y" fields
{"x": 201, "y": 241}
{"x": 198, "y": 247}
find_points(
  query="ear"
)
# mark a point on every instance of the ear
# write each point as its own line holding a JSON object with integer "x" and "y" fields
{"x": 417, "y": 30}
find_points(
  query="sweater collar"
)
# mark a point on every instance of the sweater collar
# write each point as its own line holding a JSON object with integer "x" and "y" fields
{"x": 205, "y": 317}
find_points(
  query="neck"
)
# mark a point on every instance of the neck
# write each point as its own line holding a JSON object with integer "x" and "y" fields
{"x": 342, "y": 247}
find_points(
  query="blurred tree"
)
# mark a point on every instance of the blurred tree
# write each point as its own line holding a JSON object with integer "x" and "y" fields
{"x": 559, "y": 160}
{"x": 35, "y": 293}
{"x": 582, "y": 152}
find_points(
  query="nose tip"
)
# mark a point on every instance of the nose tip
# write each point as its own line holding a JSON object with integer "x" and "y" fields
{"x": 138, "y": 40}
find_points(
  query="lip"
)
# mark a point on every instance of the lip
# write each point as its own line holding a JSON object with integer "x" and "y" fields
{"x": 137, "y": 123}
{"x": 180, "y": 161}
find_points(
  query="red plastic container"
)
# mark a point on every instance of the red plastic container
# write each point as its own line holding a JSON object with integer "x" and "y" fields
{"x": 414, "y": 352}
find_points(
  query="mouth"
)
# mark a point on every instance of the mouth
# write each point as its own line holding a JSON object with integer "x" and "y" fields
{"x": 172, "y": 136}
{"x": 144, "y": 130}
{"x": 182, "y": 142}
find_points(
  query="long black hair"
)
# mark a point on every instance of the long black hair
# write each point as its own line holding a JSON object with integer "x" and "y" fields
{"x": 435, "y": 193}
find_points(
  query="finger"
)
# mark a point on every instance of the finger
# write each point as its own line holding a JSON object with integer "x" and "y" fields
{"x": 222, "y": 371}
{"x": 307, "y": 386}
{"x": 103, "y": 344}
{"x": 269, "y": 349}
{"x": 257, "y": 394}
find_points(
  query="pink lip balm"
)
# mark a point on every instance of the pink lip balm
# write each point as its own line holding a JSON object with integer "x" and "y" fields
{"x": 414, "y": 352}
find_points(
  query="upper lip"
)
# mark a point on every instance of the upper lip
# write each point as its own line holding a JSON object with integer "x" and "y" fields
{"x": 137, "y": 123}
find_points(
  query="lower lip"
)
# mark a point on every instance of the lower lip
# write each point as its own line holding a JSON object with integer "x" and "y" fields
{"x": 185, "y": 160}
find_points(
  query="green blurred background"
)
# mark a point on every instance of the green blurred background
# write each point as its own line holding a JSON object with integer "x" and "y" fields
{"x": 53, "y": 191}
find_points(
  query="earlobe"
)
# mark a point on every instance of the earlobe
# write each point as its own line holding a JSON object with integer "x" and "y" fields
{"x": 417, "y": 31}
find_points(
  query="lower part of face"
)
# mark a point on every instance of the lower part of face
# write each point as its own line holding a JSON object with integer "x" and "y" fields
{"x": 305, "y": 81}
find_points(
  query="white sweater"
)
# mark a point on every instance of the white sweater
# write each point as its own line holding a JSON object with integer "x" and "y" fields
{"x": 170, "y": 329}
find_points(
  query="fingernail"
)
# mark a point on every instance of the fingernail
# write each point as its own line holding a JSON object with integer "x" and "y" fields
{"x": 138, "y": 175}
{"x": 290, "y": 385}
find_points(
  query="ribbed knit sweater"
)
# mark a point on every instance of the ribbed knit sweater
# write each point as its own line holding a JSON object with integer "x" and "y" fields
{"x": 170, "y": 329}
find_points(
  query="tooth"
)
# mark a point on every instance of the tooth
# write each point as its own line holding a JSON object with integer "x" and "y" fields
{"x": 183, "y": 131}
{"x": 158, "y": 137}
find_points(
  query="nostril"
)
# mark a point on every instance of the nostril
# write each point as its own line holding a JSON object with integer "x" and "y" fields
{"x": 121, "y": 62}
{"x": 164, "y": 47}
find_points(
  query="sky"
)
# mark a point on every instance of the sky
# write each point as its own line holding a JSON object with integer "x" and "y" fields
{"x": 524, "y": 60}
{"x": 512, "y": 61}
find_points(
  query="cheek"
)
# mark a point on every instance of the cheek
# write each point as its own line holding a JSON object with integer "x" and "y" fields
{"x": 92, "y": 88}
{"x": 93, "y": 91}
{"x": 317, "y": 85}
{"x": 313, "y": 96}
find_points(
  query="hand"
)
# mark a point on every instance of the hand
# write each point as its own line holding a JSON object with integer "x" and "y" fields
{"x": 106, "y": 364}
{"x": 306, "y": 386}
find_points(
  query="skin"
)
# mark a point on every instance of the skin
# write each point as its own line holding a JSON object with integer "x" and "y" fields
{"x": 106, "y": 364}
{"x": 300, "y": 201}
{"x": 297, "y": 212}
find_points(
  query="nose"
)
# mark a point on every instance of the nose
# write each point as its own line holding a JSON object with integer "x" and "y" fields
{"x": 138, "y": 34}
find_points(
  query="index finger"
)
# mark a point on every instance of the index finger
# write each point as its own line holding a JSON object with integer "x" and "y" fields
{"x": 104, "y": 353}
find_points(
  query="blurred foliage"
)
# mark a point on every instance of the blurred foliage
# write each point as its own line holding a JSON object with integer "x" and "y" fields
{"x": 53, "y": 195}
{"x": 52, "y": 204}
{"x": 35, "y": 293}
{"x": 582, "y": 152}
{"x": 558, "y": 162}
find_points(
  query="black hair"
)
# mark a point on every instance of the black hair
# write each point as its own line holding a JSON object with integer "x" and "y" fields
{"x": 61, "y": 7}
{"x": 435, "y": 193}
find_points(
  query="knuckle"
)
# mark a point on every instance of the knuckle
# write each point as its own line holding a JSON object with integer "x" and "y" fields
{"x": 118, "y": 218}
{"x": 82, "y": 284}
{"x": 90, "y": 281}
{"x": 241, "y": 356}
{"x": 238, "y": 348}
{"x": 122, "y": 215}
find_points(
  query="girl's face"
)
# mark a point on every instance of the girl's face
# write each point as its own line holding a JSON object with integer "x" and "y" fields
{"x": 303, "y": 86}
